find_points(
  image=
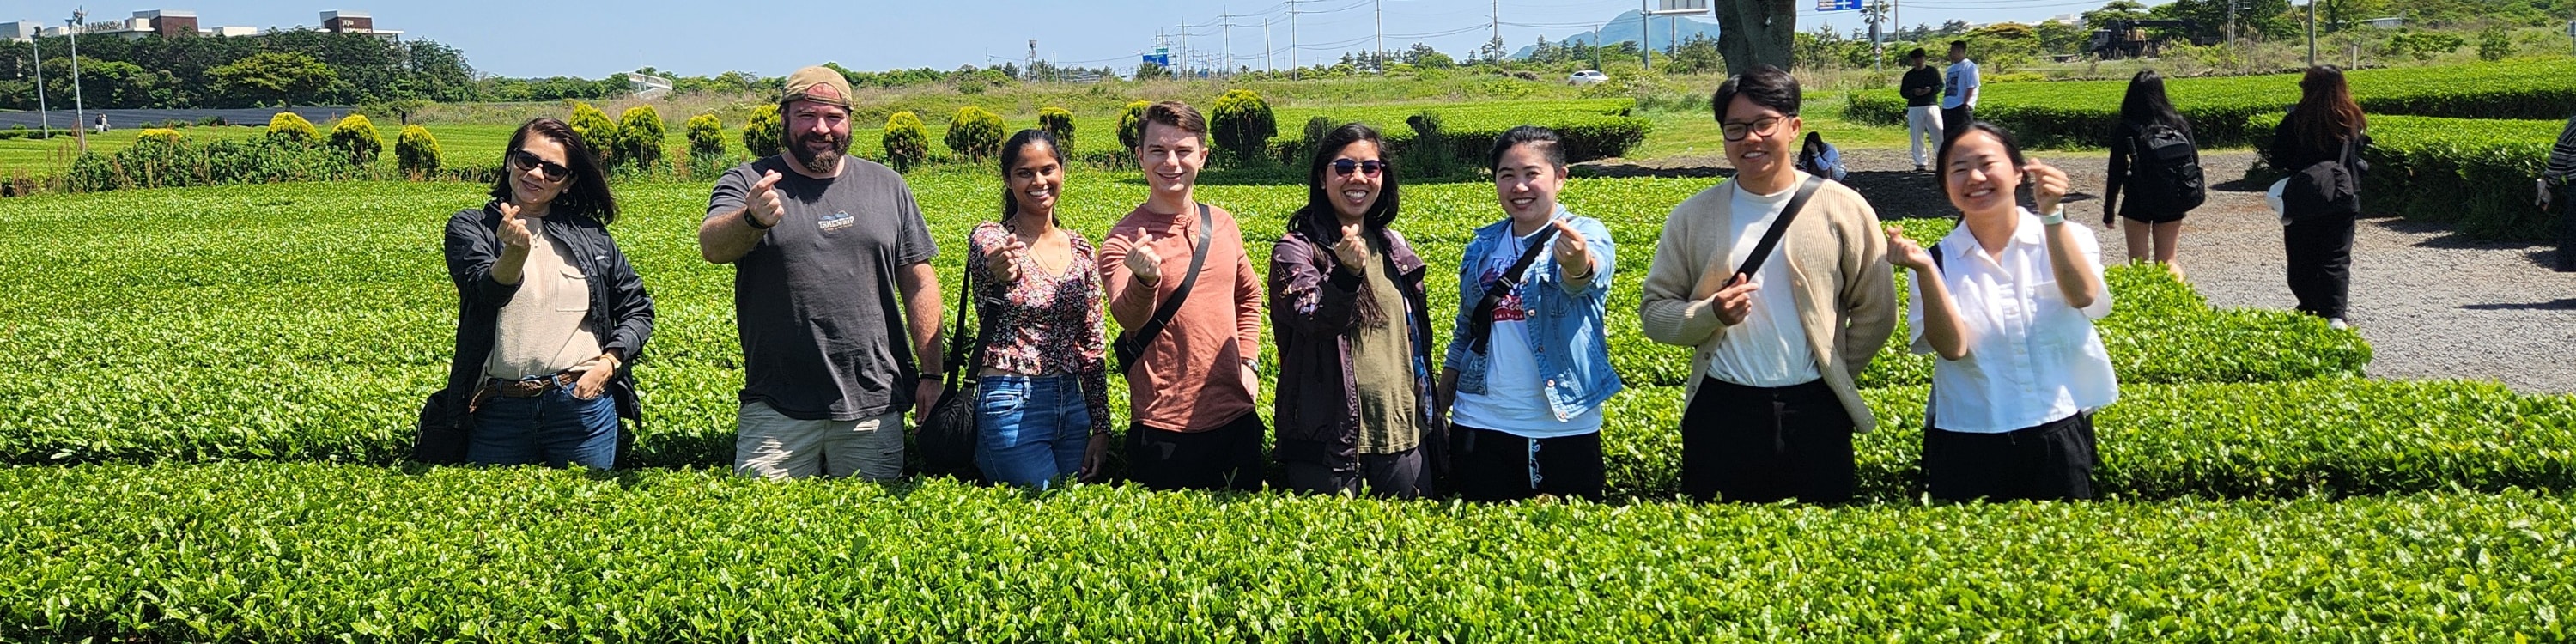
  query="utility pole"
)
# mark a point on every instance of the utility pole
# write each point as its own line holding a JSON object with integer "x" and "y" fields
{"x": 1227, "y": 60}
{"x": 1185, "y": 48}
{"x": 1265, "y": 45}
{"x": 2312, "y": 33}
{"x": 1497, "y": 17}
{"x": 2231, "y": 23}
{"x": 1292, "y": 36}
{"x": 80, "y": 114}
{"x": 44, "y": 117}
{"x": 1378, "y": 58}
{"x": 1646, "y": 33}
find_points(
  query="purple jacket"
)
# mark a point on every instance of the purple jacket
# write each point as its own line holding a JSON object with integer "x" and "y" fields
{"x": 1314, "y": 305}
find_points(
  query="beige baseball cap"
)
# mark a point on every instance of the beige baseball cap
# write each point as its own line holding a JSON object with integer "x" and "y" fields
{"x": 818, "y": 84}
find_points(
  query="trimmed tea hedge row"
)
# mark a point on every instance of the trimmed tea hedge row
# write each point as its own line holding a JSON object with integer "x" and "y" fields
{"x": 2472, "y": 173}
{"x": 2331, "y": 436}
{"x": 1592, "y": 128}
{"x": 2083, "y": 113}
{"x": 324, "y": 553}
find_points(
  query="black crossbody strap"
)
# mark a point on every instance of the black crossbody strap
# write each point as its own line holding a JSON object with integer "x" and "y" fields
{"x": 1132, "y": 346}
{"x": 963, "y": 349}
{"x": 1481, "y": 321}
{"x": 1780, "y": 227}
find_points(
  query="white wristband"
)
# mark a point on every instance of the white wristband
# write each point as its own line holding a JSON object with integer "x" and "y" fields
{"x": 2054, "y": 217}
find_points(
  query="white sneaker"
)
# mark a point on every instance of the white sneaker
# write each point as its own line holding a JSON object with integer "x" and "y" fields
{"x": 2337, "y": 324}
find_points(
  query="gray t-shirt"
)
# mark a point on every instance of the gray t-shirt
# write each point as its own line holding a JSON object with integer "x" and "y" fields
{"x": 816, "y": 303}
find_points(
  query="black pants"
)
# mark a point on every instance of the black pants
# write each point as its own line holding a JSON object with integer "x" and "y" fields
{"x": 1403, "y": 475}
{"x": 2320, "y": 263}
{"x": 1494, "y": 466}
{"x": 2052, "y": 461}
{"x": 1762, "y": 444}
{"x": 2567, "y": 229}
{"x": 1955, "y": 120}
{"x": 1225, "y": 458}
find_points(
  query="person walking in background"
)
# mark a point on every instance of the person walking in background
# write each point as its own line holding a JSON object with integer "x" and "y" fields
{"x": 1042, "y": 390}
{"x": 2560, "y": 176}
{"x": 551, "y": 315}
{"x": 1180, "y": 284}
{"x": 1349, "y": 312}
{"x": 1959, "y": 88}
{"x": 2319, "y": 144}
{"x": 2156, "y": 160}
{"x": 1528, "y": 364}
{"x": 821, "y": 242}
{"x": 2007, "y": 302}
{"x": 1779, "y": 281}
{"x": 1922, "y": 89}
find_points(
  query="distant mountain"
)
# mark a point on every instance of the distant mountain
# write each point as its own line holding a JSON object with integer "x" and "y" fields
{"x": 1667, "y": 30}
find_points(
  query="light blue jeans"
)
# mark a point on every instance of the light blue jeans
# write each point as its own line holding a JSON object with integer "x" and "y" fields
{"x": 1031, "y": 429}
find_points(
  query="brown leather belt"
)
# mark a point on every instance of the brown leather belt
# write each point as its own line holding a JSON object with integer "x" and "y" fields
{"x": 522, "y": 388}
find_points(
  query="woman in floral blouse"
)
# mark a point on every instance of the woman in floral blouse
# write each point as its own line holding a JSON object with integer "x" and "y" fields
{"x": 1042, "y": 404}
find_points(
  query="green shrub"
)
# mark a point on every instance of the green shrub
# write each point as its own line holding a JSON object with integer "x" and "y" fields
{"x": 1432, "y": 154}
{"x": 1131, "y": 125}
{"x": 639, "y": 138}
{"x": 1242, "y": 124}
{"x": 974, "y": 133}
{"x": 597, "y": 131}
{"x": 1592, "y": 128}
{"x": 356, "y": 137}
{"x": 764, "y": 134}
{"x": 2495, "y": 43}
{"x": 416, "y": 152}
{"x": 2472, "y": 173}
{"x": 287, "y": 127}
{"x": 907, "y": 143}
{"x": 706, "y": 135}
{"x": 1058, "y": 123}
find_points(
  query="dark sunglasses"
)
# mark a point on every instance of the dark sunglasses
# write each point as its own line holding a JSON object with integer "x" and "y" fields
{"x": 528, "y": 162}
{"x": 1371, "y": 167}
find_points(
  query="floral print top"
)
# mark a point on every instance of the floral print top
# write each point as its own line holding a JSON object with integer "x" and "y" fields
{"x": 1047, "y": 323}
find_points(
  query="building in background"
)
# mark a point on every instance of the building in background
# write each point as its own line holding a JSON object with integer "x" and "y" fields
{"x": 355, "y": 22}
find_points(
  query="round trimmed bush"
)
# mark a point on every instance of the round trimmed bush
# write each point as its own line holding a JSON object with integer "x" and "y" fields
{"x": 639, "y": 136}
{"x": 975, "y": 133}
{"x": 595, "y": 130}
{"x": 765, "y": 133}
{"x": 1131, "y": 125}
{"x": 706, "y": 135}
{"x": 907, "y": 143}
{"x": 1242, "y": 124}
{"x": 356, "y": 138}
{"x": 415, "y": 151}
{"x": 287, "y": 127}
{"x": 1058, "y": 123}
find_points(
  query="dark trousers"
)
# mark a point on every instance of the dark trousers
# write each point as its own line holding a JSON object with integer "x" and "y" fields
{"x": 2320, "y": 263}
{"x": 2052, "y": 461}
{"x": 1955, "y": 120}
{"x": 1225, "y": 458}
{"x": 2567, "y": 228}
{"x": 1766, "y": 444}
{"x": 1494, "y": 466}
{"x": 1403, "y": 475}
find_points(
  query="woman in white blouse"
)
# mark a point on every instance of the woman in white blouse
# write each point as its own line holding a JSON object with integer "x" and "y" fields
{"x": 2007, "y": 301}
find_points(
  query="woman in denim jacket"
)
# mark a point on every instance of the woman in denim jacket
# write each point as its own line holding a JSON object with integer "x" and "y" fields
{"x": 1524, "y": 380}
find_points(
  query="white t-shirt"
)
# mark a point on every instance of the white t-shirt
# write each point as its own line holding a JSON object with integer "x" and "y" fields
{"x": 1770, "y": 348}
{"x": 2032, "y": 358}
{"x": 1515, "y": 398}
{"x": 1956, "y": 82}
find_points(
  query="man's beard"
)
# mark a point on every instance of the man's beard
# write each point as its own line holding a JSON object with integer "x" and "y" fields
{"x": 817, "y": 161}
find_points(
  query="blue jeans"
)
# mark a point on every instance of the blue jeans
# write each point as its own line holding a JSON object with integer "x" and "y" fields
{"x": 554, "y": 428}
{"x": 1031, "y": 429}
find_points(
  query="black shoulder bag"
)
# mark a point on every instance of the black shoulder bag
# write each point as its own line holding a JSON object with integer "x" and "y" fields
{"x": 1131, "y": 346}
{"x": 1480, "y": 322}
{"x": 1779, "y": 227}
{"x": 948, "y": 433}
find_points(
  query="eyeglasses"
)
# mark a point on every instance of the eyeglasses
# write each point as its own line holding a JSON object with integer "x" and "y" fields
{"x": 1371, "y": 167}
{"x": 527, "y": 161}
{"x": 1737, "y": 131}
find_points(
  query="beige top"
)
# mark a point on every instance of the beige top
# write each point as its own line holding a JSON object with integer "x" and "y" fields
{"x": 539, "y": 331}
{"x": 1836, "y": 258}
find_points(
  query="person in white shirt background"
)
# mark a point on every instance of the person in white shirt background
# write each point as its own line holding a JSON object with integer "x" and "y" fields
{"x": 2007, "y": 302}
{"x": 1959, "y": 87}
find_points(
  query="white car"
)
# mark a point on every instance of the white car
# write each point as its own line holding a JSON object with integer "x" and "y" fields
{"x": 1587, "y": 77}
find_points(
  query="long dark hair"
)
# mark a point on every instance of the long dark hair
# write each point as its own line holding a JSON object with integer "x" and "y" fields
{"x": 1318, "y": 213}
{"x": 1011, "y": 155}
{"x": 2326, "y": 115}
{"x": 587, "y": 194}
{"x": 2147, "y": 103}
{"x": 1808, "y": 152}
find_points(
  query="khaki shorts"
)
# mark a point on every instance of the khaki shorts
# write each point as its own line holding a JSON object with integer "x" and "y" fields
{"x": 771, "y": 445}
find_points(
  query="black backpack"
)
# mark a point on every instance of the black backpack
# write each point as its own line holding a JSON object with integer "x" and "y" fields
{"x": 2326, "y": 188}
{"x": 2166, "y": 174}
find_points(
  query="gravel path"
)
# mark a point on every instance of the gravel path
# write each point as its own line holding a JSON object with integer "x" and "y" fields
{"x": 2433, "y": 304}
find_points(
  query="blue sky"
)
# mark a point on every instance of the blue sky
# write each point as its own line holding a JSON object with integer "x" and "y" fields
{"x": 593, "y": 38}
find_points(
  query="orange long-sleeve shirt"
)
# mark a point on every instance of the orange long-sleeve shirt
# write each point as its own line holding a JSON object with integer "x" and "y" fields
{"x": 1192, "y": 377}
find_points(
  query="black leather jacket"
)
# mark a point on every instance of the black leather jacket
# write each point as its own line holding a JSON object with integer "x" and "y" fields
{"x": 621, "y": 312}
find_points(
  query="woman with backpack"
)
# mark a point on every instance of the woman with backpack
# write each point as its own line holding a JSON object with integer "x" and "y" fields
{"x": 2155, "y": 159}
{"x": 2319, "y": 144}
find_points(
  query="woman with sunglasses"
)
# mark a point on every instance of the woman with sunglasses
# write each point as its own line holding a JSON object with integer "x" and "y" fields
{"x": 551, "y": 316}
{"x": 1354, "y": 330}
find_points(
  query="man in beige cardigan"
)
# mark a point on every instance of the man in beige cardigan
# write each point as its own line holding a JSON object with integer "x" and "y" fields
{"x": 1772, "y": 407}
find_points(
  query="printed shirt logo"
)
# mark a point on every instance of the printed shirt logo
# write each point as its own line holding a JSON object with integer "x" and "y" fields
{"x": 836, "y": 221}
{"x": 1509, "y": 308}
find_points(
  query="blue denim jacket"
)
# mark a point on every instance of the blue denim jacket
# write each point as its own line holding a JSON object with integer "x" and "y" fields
{"x": 1565, "y": 326}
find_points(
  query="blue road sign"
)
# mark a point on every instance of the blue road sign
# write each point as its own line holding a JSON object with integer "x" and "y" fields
{"x": 1837, "y": 5}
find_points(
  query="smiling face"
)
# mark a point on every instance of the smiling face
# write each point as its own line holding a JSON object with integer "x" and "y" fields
{"x": 817, "y": 135}
{"x": 1527, "y": 183}
{"x": 1353, "y": 194}
{"x": 1171, "y": 157}
{"x": 1758, "y": 138}
{"x": 1980, "y": 174}
{"x": 538, "y": 171}
{"x": 1036, "y": 179}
